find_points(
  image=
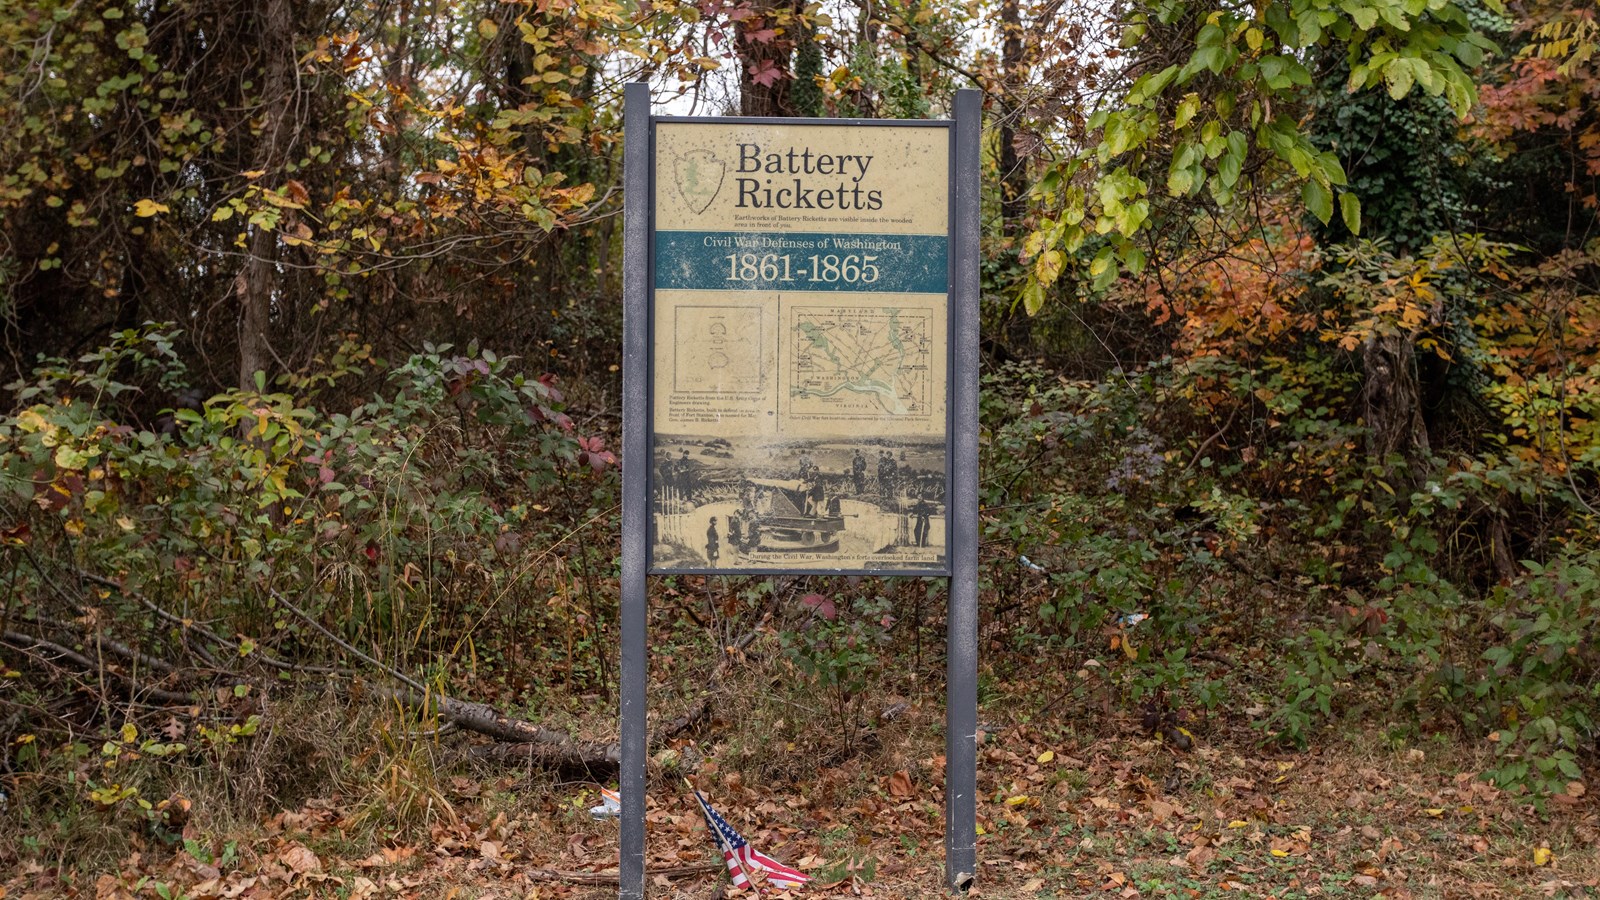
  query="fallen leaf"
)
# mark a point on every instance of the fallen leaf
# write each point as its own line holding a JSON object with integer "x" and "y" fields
{"x": 300, "y": 859}
{"x": 1543, "y": 856}
{"x": 1046, "y": 756}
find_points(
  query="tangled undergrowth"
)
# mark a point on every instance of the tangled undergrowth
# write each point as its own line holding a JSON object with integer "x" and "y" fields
{"x": 233, "y": 625}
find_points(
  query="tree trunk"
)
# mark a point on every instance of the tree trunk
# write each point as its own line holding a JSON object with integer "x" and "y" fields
{"x": 257, "y": 279}
{"x": 1392, "y": 402}
{"x": 1013, "y": 183}
{"x": 768, "y": 96}
{"x": 1013, "y": 173}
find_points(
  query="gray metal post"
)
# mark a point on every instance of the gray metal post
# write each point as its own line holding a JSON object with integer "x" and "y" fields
{"x": 961, "y": 674}
{"x": 635, "y": 471}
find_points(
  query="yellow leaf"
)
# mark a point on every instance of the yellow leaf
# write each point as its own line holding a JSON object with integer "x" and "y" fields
{"x": 1018, "y": 800}
{"x": 1238, "y": 823}
{"x": 1279, "y": 853}
{"x": 1543, "y": 856}
{"x": 1046, "y": 756}
{"x": 30, "y": 421}
{"x": 1435, "y": 812}
{"x": 488, "y": 29}
{"x": 1048, "y": 267}
{"x": 144, "y": 209}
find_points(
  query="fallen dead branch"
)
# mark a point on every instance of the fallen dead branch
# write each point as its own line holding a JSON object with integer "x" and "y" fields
{"x": 57, "y": 653}
{"x": 609, "y": 877}
{"x": 528, "y": 743}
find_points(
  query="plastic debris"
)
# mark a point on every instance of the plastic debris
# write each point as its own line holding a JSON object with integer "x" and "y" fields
{"x": 610, "y": 805}
{"x": 1030, "y": 565}
{"x": 1131, "y": 619}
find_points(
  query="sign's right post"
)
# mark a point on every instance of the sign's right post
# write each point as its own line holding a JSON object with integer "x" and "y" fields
{"x": 961, "y": 701}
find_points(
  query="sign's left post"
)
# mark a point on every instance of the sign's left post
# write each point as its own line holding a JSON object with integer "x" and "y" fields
{"x": 635, "y": 475}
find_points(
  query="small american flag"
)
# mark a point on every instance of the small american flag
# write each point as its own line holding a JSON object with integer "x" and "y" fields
{"x": 743, "y": 858}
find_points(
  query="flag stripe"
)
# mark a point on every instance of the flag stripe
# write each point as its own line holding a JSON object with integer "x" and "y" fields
{"x": 742, "y": 858}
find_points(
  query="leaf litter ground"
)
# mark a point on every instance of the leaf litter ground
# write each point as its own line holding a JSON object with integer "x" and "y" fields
{"x": 1112, "y": 816}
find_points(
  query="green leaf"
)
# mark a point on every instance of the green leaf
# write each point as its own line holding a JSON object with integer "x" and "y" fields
{"x": 1350, "y": 211}
{"x": 1365, "y": 17}
{"x": 1179, "y": 182}
{"x": 1232, "y": 162}
{"x": 1107, "y": 269}
{"x": 1318, "y": 200}
{"x": 1187, "y": 109}
{"x": 1113, "y": 140}
{"x": 1397, "y": 75}
{"x": 1135, "y": 260}
{"x": 1102, "y": 261}
{"x": 1032, "y": 297}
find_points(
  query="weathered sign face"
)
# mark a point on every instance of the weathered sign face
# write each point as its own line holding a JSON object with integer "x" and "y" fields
{"x": 800, "y": 322}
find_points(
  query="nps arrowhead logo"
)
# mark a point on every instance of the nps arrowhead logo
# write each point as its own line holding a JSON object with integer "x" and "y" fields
{"x": 698, "y": 174}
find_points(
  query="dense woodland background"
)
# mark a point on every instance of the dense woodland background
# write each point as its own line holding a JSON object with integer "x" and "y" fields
{"x": 309, "y": 330}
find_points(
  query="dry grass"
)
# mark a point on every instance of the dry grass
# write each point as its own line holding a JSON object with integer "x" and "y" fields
{"x": 1076, "y": 802}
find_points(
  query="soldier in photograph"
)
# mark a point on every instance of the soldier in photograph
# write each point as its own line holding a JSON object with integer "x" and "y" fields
{"x": 711, "y": 542}
{"x": 923, "y": 512}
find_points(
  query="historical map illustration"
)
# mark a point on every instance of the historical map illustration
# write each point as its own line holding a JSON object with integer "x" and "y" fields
{"x": 860, "y": 361}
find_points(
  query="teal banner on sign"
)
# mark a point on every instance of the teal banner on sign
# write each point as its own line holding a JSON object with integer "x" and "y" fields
{"x": 789, "y": 261}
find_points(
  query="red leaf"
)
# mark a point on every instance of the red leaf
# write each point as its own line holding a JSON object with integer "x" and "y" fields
{"x": 766, "y": 73}
{"x": 824, "y": 607}
{"x": 17, "y": 535}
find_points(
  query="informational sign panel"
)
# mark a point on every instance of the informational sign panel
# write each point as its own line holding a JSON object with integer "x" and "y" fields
{"x": 800, "y": 384}
{"x": 800, "y": 352}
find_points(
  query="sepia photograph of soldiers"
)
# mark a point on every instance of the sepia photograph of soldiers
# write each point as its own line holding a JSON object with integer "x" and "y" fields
{"x": 831, "y": 503}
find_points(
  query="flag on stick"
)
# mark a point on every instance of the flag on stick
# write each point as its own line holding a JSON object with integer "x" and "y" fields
{"x": 743, "y": 858}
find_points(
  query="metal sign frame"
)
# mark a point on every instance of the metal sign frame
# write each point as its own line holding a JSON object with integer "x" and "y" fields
{"x": 961, "y": 475}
